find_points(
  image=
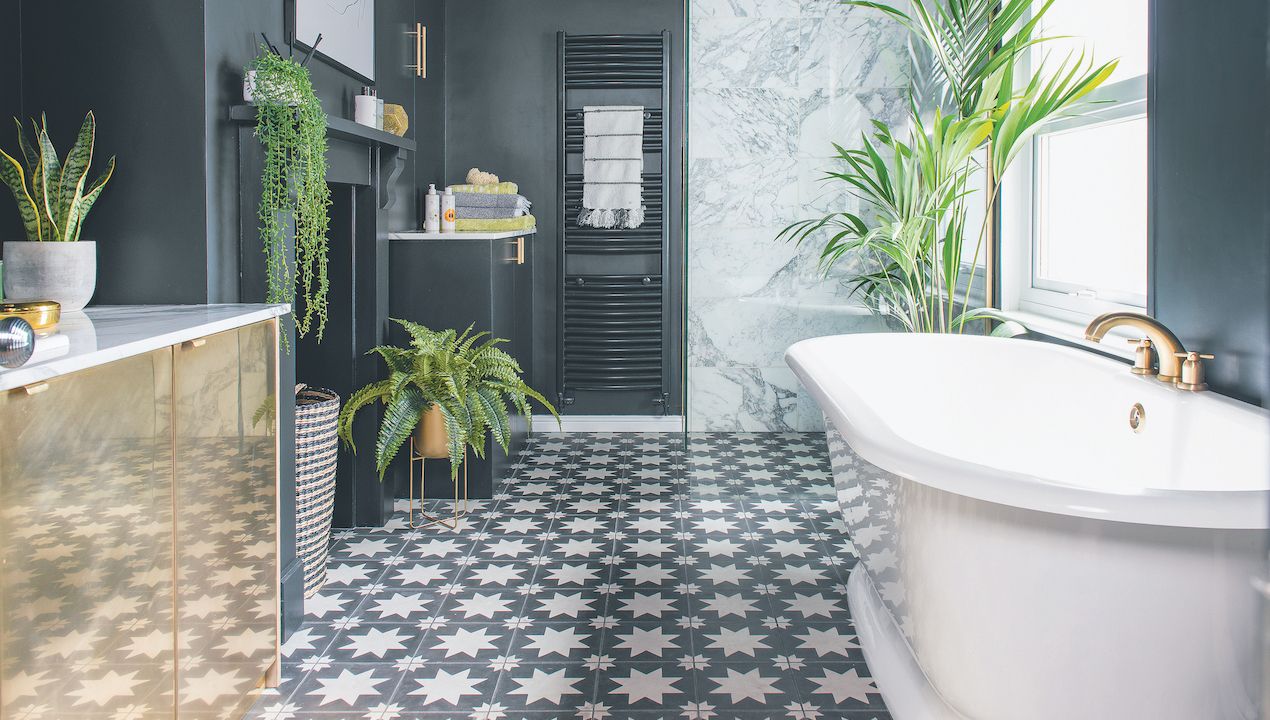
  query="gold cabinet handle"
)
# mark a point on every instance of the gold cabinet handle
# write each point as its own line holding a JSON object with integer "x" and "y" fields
{"x": 195, "y": 343}
{"x": 36, "y": 388}
{"x": 420, "y": 34}
{"x": 520, "y": 251}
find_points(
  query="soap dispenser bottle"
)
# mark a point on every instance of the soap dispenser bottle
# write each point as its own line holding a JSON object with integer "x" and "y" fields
{"x": 365, "y": 106}
{"x": 432, "y": 211}
{"x": 447, "y": 211}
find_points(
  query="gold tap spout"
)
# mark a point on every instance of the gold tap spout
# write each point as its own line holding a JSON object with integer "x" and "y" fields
{"x": 1165, "y": 343}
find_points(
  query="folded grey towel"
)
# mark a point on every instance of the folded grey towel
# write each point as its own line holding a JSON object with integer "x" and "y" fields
{"x": 490, "y": 200}
{"x": 487, "y": 213}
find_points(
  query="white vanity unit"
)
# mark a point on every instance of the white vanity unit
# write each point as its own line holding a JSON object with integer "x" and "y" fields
{"x": 138, "y": 516}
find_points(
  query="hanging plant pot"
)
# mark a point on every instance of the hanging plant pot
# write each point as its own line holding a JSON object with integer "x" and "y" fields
{"x": 279, "y": 92}
{"x": 294, "y": 200}
{"x": 431, "y": 438}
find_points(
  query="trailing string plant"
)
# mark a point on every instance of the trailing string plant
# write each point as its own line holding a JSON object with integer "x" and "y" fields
{"x": 966, "y": 115}
{"x": 54, "y": 196}
{"x": 467, "y": 376}
{"x": 294, "y": 197}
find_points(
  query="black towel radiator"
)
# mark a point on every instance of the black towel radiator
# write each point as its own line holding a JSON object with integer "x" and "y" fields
{"x": 614, "y": 296}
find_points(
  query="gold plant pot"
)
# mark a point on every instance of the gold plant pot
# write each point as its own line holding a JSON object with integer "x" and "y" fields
{"x": 431, "y": 438}
{"x": 43, "y": 315}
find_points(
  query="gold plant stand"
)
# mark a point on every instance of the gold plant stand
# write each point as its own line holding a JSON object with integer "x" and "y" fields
{"x": 426, "y": 519}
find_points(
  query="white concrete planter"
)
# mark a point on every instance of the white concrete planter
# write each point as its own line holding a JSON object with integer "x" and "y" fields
{"x": 249, "y": 90}
{"x": 62, "y": 271}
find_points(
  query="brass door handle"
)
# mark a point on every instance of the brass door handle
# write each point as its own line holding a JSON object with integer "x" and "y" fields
{"x": 195, "y": 343}
{"x": 420, "y": 34}
{"x": 520, "y": 251}
{"x": 36, "y": 388}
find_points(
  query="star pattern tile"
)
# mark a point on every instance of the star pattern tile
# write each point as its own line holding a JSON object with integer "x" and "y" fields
{"x": 621, "y": 576}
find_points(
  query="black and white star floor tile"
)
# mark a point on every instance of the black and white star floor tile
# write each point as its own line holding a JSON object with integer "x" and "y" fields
{"x": 619, "y": 576}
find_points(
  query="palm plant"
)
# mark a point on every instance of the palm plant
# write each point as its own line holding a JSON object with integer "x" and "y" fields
{"x": 916, "y": 185}
{"x": 466, "y": 376}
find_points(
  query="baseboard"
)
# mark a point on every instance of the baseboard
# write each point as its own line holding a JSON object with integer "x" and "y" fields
{"x": 610, "y": 423}
{"x": 292, "y": 589}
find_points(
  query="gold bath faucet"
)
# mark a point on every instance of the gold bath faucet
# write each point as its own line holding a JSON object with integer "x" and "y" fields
{"x": 1177, "y": 366}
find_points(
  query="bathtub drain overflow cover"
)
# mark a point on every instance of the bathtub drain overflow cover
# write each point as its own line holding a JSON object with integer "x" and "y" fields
{"x": 1137, "y": 416}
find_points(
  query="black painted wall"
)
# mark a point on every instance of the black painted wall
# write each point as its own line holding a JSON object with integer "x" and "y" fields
{"x": 231, "y": 37}
{"x": 500, "y": 108}
{"x": 138, "y": 65}
{"x": 1210, "y": 186}
{"x": 10, "y": 102}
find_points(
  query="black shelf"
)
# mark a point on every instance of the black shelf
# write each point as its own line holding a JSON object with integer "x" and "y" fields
{"x": 337, "y": 127}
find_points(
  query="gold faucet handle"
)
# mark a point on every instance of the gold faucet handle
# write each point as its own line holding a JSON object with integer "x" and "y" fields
{"x": 1142, "y": 360}
{"x": 1192, "y": 371}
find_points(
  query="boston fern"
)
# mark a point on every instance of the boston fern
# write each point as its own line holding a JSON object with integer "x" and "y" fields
{"x": 466, "y": 375}
{"x": 294, "y": 195}
{"x": 54, "y": 196}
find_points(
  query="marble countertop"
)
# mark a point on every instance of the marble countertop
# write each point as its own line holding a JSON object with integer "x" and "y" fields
{"x": 98, "y": 335}
{"x": 414, "y": 235}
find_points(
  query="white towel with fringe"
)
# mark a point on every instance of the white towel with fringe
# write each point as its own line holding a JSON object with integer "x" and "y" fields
{"x": 612, "y": 165}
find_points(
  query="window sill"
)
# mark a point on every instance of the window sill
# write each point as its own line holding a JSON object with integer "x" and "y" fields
{"x": 1114, "y": 344}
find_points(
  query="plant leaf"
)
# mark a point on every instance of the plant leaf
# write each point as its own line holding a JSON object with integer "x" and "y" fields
{"x": 401, "y": 417}
{"x": 50, "y": 172}
{"x": 12, "y": 175}
{"x": 73, "y": 175}
{"x": 361, "y": 398}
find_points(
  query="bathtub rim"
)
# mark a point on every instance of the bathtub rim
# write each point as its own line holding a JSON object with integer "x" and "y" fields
{"x": 870, "y": 437}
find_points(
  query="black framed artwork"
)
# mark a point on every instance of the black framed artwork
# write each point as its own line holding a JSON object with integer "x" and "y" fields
{"x": 347, "y": 28}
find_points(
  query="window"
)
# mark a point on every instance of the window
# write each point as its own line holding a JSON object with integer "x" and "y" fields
{"x": 1074, "y": 206}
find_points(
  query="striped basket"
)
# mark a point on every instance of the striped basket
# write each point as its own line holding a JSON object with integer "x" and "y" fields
{"x": 316, "y": 445}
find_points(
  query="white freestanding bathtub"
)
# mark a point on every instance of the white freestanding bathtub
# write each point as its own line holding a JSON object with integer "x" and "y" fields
{"x": 1026, "y": 554}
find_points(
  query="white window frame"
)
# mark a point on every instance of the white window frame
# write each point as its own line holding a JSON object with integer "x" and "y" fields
{"x": 1021, "y": 289}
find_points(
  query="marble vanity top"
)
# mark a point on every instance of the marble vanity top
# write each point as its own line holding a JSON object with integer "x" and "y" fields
{"x": 98, "y": 335}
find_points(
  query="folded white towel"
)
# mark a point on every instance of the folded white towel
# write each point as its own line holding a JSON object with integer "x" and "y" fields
{"x": 612, "y": 164}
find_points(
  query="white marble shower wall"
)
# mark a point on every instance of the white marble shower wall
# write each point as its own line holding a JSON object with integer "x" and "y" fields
{"x": 771, "y": 85}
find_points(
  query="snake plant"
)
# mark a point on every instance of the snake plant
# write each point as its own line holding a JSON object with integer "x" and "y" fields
{"x": 465, "y": 374}
{"x": 54, "y": 196}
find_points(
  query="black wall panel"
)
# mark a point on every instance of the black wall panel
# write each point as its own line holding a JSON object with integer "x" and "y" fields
{"x": 10, "y": 101}
{"x": 139, "y": 66}
{"x": 1210, "y": 186}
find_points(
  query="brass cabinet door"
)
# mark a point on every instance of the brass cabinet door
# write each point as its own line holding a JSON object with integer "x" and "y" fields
{"x": 86, "y": 594}
{"x": 226, "y": 509}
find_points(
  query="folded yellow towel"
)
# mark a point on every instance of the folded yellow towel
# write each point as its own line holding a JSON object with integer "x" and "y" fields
{"x": 524, "y": 222}
{"x": 503, "y": 188}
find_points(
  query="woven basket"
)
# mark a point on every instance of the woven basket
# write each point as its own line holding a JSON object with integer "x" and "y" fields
{"x": 316, "y": 446}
